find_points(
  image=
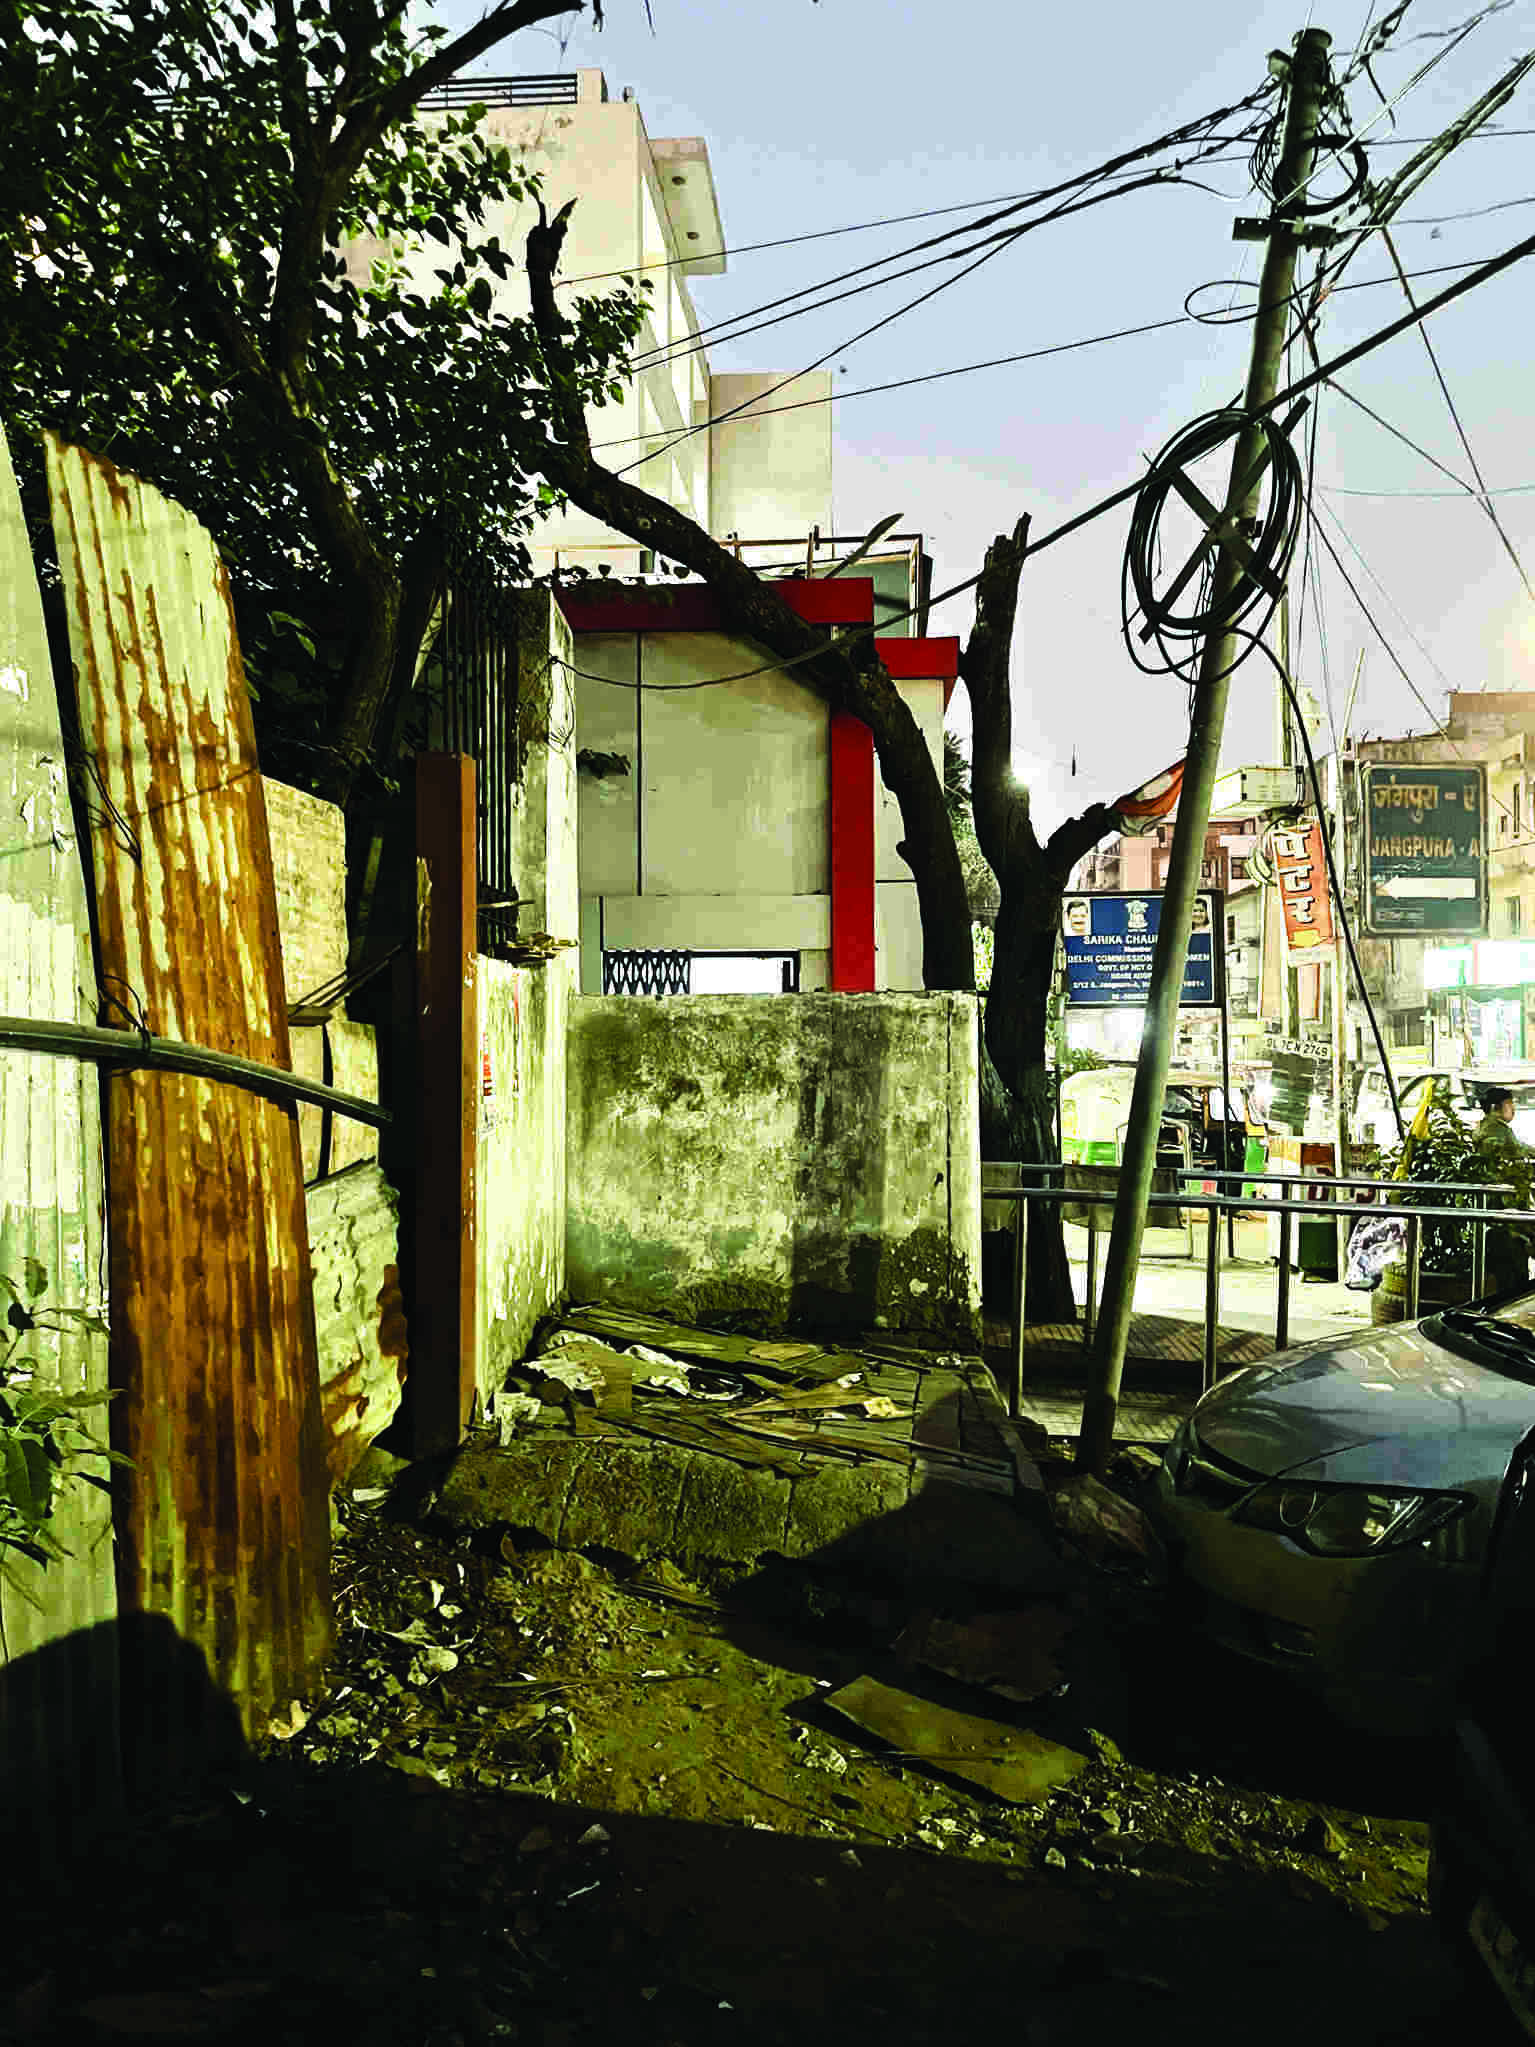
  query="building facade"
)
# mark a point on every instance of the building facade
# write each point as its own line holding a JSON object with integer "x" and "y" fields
{"x": 734, "y": 834}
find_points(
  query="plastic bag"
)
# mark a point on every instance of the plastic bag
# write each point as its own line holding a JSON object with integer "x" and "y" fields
{"x": 1377, "y": 1241}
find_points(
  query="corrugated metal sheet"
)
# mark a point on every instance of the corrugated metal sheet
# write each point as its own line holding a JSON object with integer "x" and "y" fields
{"x": 226, "y": 1529}
{"x": 58, "y": 1660}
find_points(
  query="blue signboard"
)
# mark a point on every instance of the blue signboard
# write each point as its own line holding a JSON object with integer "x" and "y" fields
{"x": 1110, "y": 940}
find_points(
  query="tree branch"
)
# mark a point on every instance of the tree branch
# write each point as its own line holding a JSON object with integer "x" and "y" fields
{"x": 368, "y": 123}
{"x": 1078, "y": 835}
{"x": 849, "y": 678}
{"x": 1003, "y": 824}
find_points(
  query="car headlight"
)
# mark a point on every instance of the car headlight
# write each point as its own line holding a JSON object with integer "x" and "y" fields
{"x": 1347, "y": 1520}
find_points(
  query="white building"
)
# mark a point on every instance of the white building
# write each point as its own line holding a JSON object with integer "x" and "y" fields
{"x": 645, "y": 208}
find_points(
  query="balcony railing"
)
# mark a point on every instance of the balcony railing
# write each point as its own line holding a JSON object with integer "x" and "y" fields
{"x": 554, "y": 89}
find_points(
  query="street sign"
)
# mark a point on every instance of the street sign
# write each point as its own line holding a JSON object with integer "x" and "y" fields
{"x": 1424, "y": 843}
{"x": 1111, "y": 936}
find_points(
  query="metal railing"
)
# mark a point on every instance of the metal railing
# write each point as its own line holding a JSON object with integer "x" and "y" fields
{"x": 470, "y": 701}
{"x": 1414, "y": 1212}
{"x": 551, "y": 89}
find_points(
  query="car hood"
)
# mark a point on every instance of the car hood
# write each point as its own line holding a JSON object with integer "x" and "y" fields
{"x": 1389, "y": 1405}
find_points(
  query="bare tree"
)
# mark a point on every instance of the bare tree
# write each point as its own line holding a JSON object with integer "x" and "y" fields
{"x": 850, "y": 677}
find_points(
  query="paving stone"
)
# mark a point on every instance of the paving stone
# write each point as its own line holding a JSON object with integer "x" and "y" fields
{"x": 526, "y": 1485}
{"x": 728, "y": 1512}
{"x": 835, "y": 1505}
{"x": 626, "y": 1497}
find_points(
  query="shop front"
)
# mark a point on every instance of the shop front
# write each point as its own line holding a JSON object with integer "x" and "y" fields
{"x": 1482, "y": 1001}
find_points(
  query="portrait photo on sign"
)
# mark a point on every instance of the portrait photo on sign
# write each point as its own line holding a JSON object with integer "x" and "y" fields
{"x": 1077, "y": 917}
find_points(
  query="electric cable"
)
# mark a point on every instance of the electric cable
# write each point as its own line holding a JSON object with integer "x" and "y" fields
{"x": 1339, "y": 909}
{"x": 1293, "y": 390}
{"x": 887, "y": 320}
{"x": 1507, "y": 490}
{"x": 712, "y": 335}
{"x": 760, "y": 411}
{"x": 1497, "y": 524}
{"x": 1112, "y": 166}
{"x": 1271, "y": 539}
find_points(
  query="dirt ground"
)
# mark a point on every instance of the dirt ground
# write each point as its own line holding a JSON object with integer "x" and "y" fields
{"x": 550, "y": 1798}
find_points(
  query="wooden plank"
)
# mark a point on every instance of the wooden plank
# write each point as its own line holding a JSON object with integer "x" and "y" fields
{"x": 59, "y": 1746}
{"x": 224, "y": 1526}
{"x": 441, "y": 1388}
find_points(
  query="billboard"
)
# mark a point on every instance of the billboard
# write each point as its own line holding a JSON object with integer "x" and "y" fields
{"x": 1111, "y": 937}
{"x": 1300, "y": 871}
{"x": 1424, "y": 849}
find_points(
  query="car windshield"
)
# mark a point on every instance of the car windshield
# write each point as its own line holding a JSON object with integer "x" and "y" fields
{"x": 1505, "y": 1340}
{"x": 1523, "y": 1092}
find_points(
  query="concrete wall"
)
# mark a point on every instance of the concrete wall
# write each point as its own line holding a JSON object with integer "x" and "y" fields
{"x": 523, "y": 1015}
{"x": 523, "y": 1012}
{"x": 353, "y": 1211}
{"x": 309, "y": 866}
{"x": 810, "y": 1161}
{"x": 359, "y": 1314}
{"x": 770, "y": 468}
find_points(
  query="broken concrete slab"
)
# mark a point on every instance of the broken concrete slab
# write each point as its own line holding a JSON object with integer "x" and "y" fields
{"x": 1011, "y": 1763}
{"x": 526, "y": 1486}
{"x": 834, "y": 1505}
{"x": 628, "y": 1499}
{"x": 1015, "y": 1655}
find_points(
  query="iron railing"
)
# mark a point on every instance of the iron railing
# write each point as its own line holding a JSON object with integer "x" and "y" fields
{"x": 1414, "y": 1214}
{"x": 550, "y": 89}
{"x": 470, "y": 702}
{"x": 636, "y": 972}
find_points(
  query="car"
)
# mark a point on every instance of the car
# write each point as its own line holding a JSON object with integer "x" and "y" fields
{"x": 1482, "y": 1856}
{"x": 1464, "y": 1087}
{"x": 1328, "y": 1511}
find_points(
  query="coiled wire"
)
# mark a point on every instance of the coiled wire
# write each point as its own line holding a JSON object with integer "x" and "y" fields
{"x": 1179, "y": 635}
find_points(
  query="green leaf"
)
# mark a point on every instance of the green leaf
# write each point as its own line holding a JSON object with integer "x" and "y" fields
{"x": 37, "y": 1278}
{"x": 481, "y": 296}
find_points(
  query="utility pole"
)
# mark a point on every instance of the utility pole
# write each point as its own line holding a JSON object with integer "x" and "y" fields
{"x": 1309, "y": 78}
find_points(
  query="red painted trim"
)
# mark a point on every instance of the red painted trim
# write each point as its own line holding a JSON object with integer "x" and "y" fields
{"x": 852, "y": 854}
{"x": 690, "y": 608}
{"x": 919, "y": 660}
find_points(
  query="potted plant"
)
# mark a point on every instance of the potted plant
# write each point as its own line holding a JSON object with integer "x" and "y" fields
{"x": 1440, "y": 1150}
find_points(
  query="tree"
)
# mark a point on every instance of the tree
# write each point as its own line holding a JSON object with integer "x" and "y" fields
{"x": 181, "y": 180}
{"x": 1016, "y": 1116}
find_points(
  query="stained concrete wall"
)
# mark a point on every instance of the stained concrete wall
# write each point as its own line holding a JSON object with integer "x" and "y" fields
{"x": 807, "y": 1161}
{"x": 353, "y": 1211}
{"x": 359, "y": 1314}
{"x": 523, "y": 1011}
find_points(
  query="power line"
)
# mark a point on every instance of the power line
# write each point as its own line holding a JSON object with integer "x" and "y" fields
{"x": 1497, "y": 524}
{"x": 1320, "y": 375}
{"x": 1056, "y": 348}
{"x": 1406, "y": 439}
{"x": 695, "y": 342}
{"x": 1191, "y": 131}
{"x": 717, "y": 419}
{"x": 1509, "y": 490}
{"x": 997, "y": 245}
{"x": 858, "y": 227}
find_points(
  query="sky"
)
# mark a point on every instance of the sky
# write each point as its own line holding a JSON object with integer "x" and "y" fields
{"x": 822, "y": 114}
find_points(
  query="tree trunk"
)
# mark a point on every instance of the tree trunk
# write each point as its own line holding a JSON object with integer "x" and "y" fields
{"x": 1017, "y": 1015}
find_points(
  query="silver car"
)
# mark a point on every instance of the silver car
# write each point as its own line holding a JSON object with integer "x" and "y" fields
{"x": 1328, "y": 1512}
